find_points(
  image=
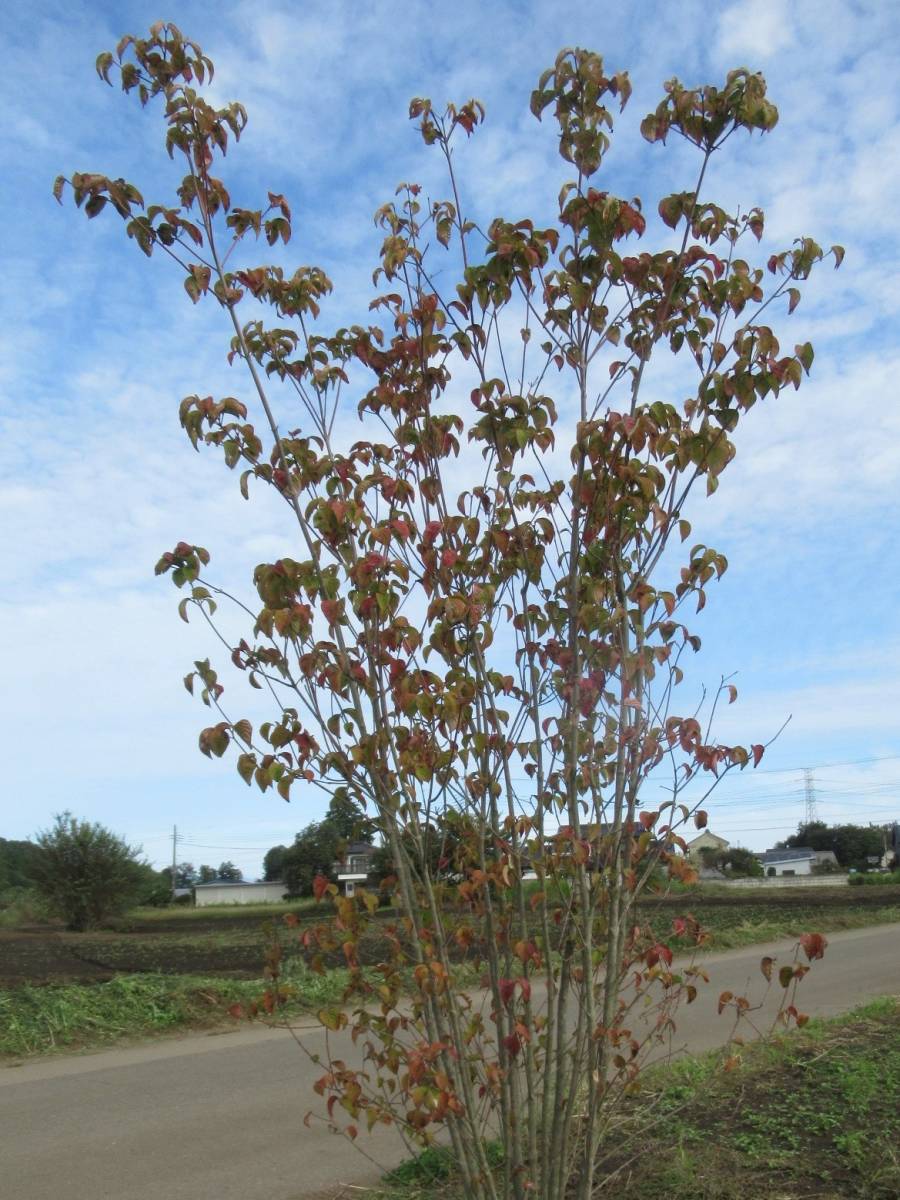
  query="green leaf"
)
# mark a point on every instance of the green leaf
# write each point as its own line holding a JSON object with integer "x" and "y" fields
{"x": 246, "y": 765}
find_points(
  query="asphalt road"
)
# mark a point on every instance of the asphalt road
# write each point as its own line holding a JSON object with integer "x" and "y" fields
{"x": 220, "y": 1116}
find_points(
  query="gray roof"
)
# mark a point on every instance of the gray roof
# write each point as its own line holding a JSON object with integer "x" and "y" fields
{"x": 798, "y": 855}
{"x": 238, "y": 883}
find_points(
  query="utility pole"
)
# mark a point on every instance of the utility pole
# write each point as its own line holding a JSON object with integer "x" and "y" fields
{"x": 174, "y": 856}
{"x": 812, "y": 814}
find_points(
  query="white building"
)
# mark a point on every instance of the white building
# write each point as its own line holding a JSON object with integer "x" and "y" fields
{"x": 788, "y": 862}
{"x": 220, "y": 892}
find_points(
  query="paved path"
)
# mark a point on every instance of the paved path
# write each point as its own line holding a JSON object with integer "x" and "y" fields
{"x": 220, "y": 1117}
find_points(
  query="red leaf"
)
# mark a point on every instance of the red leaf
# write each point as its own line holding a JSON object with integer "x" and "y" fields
{"x": 724, "y": 999}
{"x": 320, "y": 886}
{"x": 766, "y": 966}
{"x": 657, "y": 952}
{"x": 236, "y": 1011}
{"x": 513, "y": 1044}
{"x": 507, "y": 988}
{"x": 757, "y": 751}
{"x": 814, "y": 945}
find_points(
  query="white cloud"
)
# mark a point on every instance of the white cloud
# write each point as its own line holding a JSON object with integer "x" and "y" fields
{"x": 759, "y": 28}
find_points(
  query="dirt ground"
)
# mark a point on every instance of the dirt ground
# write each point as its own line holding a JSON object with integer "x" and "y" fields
{"x": 235, "y": 945}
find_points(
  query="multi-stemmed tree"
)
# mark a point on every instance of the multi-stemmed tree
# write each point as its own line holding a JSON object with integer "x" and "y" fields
{"x": 476, "y": 629}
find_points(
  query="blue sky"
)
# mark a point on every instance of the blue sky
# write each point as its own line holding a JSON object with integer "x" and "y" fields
{"x": 99, "y": 346}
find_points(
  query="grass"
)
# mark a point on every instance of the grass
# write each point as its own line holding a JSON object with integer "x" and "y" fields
{"x": 147, "y": 918}
{"x": 733, "y": 926}
{"x": 37, "y": 1020}
{"x": 813, "y": 1115}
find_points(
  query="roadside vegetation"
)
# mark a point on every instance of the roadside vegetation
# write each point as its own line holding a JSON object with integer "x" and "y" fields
{"x": 38, "y": 1020}
{"x": 811, "y": 1114}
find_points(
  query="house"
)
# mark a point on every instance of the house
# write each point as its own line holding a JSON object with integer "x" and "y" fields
{"x": 355, "y": 866}
{"x": 222, "y": 892}
{"x": 790, "y": 862}
{"x": 707, "y": 840}
{"x": 801, "y": 861}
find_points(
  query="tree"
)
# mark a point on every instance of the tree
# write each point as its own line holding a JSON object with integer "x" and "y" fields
{"x": 499, "y": 638}
{"x": 86, "y": 873}
{"x": 853, "y": 845}
{"x": 18, "y": 863}
{"x": 735, "y": 861}
{"x": 273, "y": 863}
{"x": 743, "y": 862}
{"x": 185, "y": 875}
{"x": 229, "y": 873}
{"x": 317, "y": 847}
{"x": 206, "y": 874}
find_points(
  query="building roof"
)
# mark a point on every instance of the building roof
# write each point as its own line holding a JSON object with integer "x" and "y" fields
{"x": 240, "y": 883}
{"x": 708, "y": 833}
{"x": 801, "y": 854}
{"x": 359, "y": 848}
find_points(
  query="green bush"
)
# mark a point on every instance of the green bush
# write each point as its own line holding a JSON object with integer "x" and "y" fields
{"x": 874, "y": 879}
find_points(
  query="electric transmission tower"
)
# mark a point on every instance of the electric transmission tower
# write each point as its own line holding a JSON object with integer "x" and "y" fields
{"x": 812, "y": 813}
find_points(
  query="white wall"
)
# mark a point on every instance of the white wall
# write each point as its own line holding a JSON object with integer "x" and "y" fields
{"x": 239, "y": 893}
{"x": 803, "y": 867}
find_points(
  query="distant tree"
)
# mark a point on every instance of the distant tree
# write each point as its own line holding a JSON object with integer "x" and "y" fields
{"x": 318, "y": 846}
{"x": 346, "y": 818}
{"x": 313, "y": 853}
{"x": 853, "y": 845}
{"x": 273, "y": 863}
{"x": 739, "y": 861}
{"x": 18, "y": 862}
{"x": 206, "y": 874}
{"x": 185, "y": 875}
{"x": 86, "y": 873}
{"x": 229, "y": 873}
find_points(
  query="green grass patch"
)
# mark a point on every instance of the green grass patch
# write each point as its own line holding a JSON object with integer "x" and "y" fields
{"x": 37, "y": 1020}
{"x": 733, "y": 926}
{"x": 147, "y": 918}
{"x": 811, "y": 1115}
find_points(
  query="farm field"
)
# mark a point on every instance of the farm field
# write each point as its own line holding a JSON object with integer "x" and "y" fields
{"x": 171, "y": 970}
{"x": 231, "y": 944}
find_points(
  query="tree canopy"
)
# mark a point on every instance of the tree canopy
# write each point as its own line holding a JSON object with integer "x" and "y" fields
{"x": 853, "y": 845}
{"x": 86, "y": 873}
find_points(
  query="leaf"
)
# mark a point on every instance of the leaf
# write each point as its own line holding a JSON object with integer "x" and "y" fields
{"x": 766, "y": 964}
{"x": 320, "y": 886}
{"x": 757, "y": 751}
{"x": 838, "y": 252}
{"x": 813, "y": 945}
{"x": 246, "y": 765}
{"x": 724, "y": 999}
{"x": 700, "y": 818}
{"x": 794, "y": 294}
{"x": 95, "y": 205}
{"x": 785, "y": 975}
{"x": 331, "y": 1018}
{"x": 58, "y": 184}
